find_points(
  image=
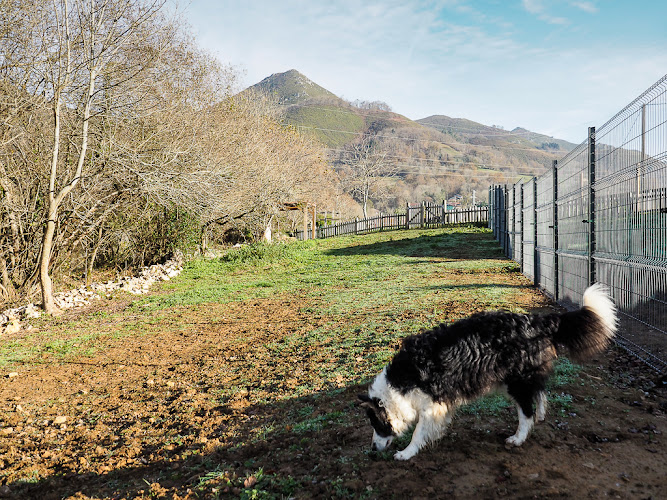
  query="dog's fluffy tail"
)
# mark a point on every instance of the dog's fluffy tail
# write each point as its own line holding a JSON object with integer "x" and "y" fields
{"x": 589, "y": 330}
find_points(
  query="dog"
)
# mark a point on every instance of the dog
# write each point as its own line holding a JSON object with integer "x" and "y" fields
{"x": 438, "y": 370}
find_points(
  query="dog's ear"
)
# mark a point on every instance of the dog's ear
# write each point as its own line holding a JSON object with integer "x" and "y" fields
{"x": 365, "y": 401}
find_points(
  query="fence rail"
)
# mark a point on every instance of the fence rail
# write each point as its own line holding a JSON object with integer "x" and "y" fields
{"x": 416, "y": 216}
{"x": 600, "y": 215}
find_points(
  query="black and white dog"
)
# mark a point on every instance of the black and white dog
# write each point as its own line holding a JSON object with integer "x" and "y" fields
{"x": 440, "y": 369}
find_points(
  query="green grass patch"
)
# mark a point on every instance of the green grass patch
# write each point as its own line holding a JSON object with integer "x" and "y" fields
{"x": 565, "y": 373}
{"x": 367, "y": 291}
{"x": 491, "y": 405}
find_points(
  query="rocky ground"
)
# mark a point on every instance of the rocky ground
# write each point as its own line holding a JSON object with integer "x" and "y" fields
{"x": 152, "y": 397}
{"x": 145, "y": 418}
{"x": 10, "y": 319}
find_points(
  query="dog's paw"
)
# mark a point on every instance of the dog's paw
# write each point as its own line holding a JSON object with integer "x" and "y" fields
{"x": 404, "y": 455}
{"x": 514, "y": 441}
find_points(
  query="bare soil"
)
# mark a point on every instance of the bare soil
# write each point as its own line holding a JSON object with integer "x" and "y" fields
{"x": 145, "y": 418}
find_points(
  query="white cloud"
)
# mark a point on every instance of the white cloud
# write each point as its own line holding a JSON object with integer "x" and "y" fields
{"x": 426, "y": 57}
{"x": 589, "y": 7}
{"x": 537, "y": 8}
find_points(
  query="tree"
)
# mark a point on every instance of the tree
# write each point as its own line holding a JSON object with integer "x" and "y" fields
{"x": 82, "y": 40}
{"x": 120, "y": 139}
{"x": 365, "y": 169}
{"x": 242, "y": 170}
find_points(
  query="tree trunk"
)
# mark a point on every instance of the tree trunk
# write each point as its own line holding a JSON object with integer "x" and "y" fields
{"x": 48, "y": 302}
{"x": 91, "y": 264}
{"x": 203, "y": 239}
{"x": 7, "y": 284}
{"x": 365, "y": 200}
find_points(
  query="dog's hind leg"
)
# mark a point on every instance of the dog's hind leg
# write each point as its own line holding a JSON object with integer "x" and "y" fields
{"x": 541, "y": 412}
{"x": 522, "y": 432}
{"x": 523, "y": 394}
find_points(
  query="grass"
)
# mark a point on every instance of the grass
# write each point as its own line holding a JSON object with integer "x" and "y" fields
{"x": 356, "y": 298}
{"x": 565, "y": 373}
{"x": 370, "y": 291}
{"x": 341, "y": 271}
{"x": 366, "y": 293}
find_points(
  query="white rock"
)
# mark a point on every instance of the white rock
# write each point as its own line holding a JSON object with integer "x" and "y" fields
{"x": 137, "y": 285}
{"x": 12, "y": 327}
{"x": 31, "y": 311}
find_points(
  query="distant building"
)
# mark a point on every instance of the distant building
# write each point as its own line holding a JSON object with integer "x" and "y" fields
{"x": 455, "y": 202}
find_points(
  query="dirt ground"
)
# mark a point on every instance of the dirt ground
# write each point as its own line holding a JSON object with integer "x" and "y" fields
{"x": 145, "y": 419}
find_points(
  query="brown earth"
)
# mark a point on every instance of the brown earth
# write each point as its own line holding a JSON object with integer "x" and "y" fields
{"x": 146, "y": 419}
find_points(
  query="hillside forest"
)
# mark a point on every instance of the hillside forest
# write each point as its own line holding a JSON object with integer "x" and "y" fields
{"x": 122, "y": 141}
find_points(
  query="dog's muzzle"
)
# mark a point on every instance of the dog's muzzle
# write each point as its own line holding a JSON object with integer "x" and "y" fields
{"x": 379, "y": 443}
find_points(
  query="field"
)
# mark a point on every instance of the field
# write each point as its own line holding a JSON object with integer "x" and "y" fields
{"x": 238, "y": 379}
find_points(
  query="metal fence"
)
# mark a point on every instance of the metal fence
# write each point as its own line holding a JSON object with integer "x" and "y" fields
{"x": 417, "y": 216}
{"x": 600, "y": 215}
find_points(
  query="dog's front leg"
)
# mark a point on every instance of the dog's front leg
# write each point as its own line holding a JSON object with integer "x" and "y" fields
{"x": 541, "y": 412}
{"x": 430, "y": 427}
{"x": 418, "y": 440}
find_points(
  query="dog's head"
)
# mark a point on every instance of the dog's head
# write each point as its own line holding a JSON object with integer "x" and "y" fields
{"x": 383, "y": 433}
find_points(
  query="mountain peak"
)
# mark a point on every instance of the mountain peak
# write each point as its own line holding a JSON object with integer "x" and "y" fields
{"x": 292, "y": 87}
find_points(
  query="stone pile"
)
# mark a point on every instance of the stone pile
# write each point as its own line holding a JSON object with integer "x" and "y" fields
{"x": 10, "y": 319}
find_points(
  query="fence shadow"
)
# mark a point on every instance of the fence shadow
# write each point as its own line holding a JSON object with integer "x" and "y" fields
{"x": 448, "y": 245}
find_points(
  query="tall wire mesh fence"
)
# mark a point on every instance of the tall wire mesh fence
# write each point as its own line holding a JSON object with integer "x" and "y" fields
{"x": 600, "y": 215}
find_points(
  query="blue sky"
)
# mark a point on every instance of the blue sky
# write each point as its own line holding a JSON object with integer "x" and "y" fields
{"x": 554, "y": 67}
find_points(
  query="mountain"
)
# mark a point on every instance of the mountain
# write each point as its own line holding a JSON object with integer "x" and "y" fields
{"x": 430, "y": 159}
{"x": 292, "y": 87}
{"x": 316, "y": 111}
{"x": 476, "y": 133}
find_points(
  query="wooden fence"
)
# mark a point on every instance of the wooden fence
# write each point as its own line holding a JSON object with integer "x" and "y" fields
{"x": 416, "y": 216}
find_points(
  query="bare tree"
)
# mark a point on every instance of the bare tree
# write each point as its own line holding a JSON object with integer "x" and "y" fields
{"x": 242, "y": 168}
{"x": 83, "y": 39}
{"x": 118, "y": 135}
{"x": 365, "y": 170}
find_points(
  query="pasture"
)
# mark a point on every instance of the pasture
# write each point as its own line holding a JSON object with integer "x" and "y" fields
{"x": 238, "y": 379}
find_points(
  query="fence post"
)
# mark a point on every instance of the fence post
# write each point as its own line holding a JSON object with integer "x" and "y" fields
{"x": 422, "y": 215}
{"x": 501, "y": 216}
{"x": 488, "y": 222}
{"x": 314, "y": 222}
{"x": 496, "y": 212}
{"x": 555, "y": 208}
{"x": 521, "y": 232}
{"x": 511, "y": 247}
{"x": 407, "y": 216}
{"x": 505, "y": 214}
{"x": 591, "y": 206}
{"x": 535, "y": 252}
{"x": 356, "y": 225}
{"x": 305, "y": 222}
{"x": 499, "y": 212}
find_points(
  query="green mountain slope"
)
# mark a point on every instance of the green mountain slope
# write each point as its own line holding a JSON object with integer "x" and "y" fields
{"x": 476, "y": 133}
{"x": 292, "y": 87}
{"x": 432, "y": 158}
{"x": 320, "y": 113}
